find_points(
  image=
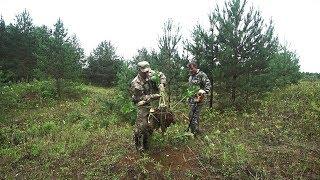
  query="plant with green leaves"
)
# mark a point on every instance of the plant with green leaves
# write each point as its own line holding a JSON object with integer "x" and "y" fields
{"x": 188, "y": 92}
{"x": 192, "y": 90}
{"x": 156, "y": 77}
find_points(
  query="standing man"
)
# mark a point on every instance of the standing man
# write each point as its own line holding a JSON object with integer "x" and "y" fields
{"x": 200, "y": 79}
{"x": 143, "y": 92}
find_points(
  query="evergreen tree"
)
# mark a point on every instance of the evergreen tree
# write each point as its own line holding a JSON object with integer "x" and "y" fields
{"x": 241, "y": 54}
{"x": 145, "y": 55}
{"x": 284, "y": 68}
{"x": 237, "y": 49}
{"x": 23, "y": 46}
{"x": 5, "y": 74}
{"x": 43, "y": 37}
{"x": 3, "y": 40}
{"x": 59, "y": 55}
{"x": 169, "y": 60}
{"x": 246, "y": 47}
{"x": 203, "y": 47}
{"x": 103, "y": 64}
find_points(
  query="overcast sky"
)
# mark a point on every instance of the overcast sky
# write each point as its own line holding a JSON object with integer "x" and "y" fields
{"x": 133, "y": 24}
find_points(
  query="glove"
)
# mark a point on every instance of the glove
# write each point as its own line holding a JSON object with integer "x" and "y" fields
{"x": 140, "y": 103}
{"x": 155, "y": 96}
{"x": 161, "y": 87}
{"x": 200, "y": 96}
{"x": 201, "y": 92}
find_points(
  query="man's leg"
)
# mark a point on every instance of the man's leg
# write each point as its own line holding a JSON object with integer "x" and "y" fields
{"x": 137, "y": 138}
{"x": 195, "y": 120}
{"x": 192, "y": 107}
{"x": 146, "y": 137}
{"x": 140, "y": 127}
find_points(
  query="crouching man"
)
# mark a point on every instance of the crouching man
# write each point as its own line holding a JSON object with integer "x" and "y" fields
{"x": 143, "y": 92}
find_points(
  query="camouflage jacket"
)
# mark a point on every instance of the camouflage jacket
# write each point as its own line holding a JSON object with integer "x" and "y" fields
{"x": 200, "y": 79}
{"x": 143, "y": 89}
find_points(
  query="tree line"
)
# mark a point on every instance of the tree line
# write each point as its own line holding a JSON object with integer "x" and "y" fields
{"x": 239, "y": 51}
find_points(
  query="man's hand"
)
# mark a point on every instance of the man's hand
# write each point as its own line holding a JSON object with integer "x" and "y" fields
{"x": 200, "y": 96}
{"x": 161, "y": 87}
{"x": 140, "y": 103}
{"x": 201, "y": 92}
{"x": 155, "y": 96}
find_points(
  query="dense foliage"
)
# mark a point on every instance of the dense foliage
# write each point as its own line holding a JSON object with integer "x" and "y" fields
{"x": 103, "y": 65}
{"x": 36, "y": 52}
{"x": 241, "y": 54}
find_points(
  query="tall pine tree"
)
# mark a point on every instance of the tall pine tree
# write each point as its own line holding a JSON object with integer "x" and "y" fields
{"x": 24, "y": 45}
{"x": 59, "y": 55}
{"x": 103, "y": 64}
{"x": 169, "y": 60}
{"x": 238, "y": 47}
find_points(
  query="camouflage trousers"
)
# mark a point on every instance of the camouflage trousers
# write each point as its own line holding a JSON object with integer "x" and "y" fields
{"x": 142, "y": 130}
{"x": 194, "y": 115}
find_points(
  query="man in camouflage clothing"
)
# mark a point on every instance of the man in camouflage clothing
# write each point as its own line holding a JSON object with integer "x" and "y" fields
{"x": 200, "y": 79}
{"x": 143, "y": 92}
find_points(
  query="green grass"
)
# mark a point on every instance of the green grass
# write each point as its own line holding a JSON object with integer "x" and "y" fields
{"x": 52, "y": 138}
{"x": 87, "y": 136}
{"x": 279, "y": 140}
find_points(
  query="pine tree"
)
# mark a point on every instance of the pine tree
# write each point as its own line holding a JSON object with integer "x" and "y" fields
{"x": 169, "y": 60}
{"x": 23, "y": 42}
{"x": 103, "y": 64}
{"x": 5, "y": 74}
{"x": 59, "y": 55}
{"x": 3, "y": 40}
{"x": 237, "y": 48}
{"x": 203, "y": 47}
{"x": 283, "y": 68}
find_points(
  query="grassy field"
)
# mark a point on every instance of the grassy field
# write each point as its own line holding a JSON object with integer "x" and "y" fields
{"x": 83, "y": 135}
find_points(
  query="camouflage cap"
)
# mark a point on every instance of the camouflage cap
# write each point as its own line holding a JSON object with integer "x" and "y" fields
{"x": 192, "y": 62}
{"x": 144, "y": 66}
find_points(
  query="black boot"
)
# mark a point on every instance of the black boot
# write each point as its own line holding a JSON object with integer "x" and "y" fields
{"x": 137, "y": 141}
{"x": 195, "y": 130}
{"x": 146, "y": 137}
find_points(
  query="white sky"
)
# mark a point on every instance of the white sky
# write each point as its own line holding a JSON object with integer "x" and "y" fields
{"x": 133, "y": 24}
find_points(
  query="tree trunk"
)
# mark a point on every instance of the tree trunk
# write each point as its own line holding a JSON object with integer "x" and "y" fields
{"x": 233, "y": 95}
{"x": 233, "y": 91}
{"x": 58, "y": 86}
{"x": 211, "y": 93}
{"x": 169, "y": 94}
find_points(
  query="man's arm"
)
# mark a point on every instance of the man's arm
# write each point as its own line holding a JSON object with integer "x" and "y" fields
{"x": 207, "y": 83}
{"x": 138, "y": 97}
